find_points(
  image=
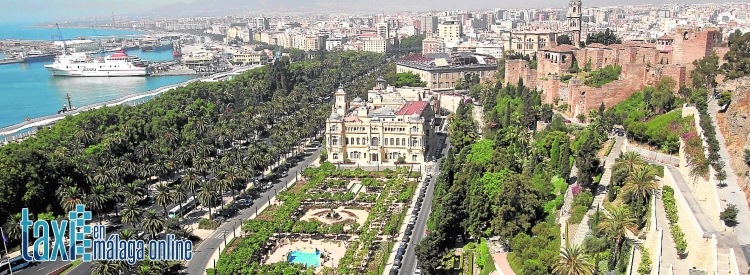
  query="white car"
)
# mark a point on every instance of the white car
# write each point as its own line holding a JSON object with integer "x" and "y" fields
{"x": 418, "y": 271}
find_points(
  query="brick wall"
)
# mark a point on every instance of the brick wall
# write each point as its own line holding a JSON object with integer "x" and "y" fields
{"x": 515, "y": 69}
{"x": 691, "y": 43}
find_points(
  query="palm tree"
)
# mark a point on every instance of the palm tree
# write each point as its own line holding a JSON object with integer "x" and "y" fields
{"x": 106, "y": 267}
{"x": 134, "y": 190}
{"x": 96, "y": 198}
{"x": 629, "y": 160}
{"x": 127, "y": 234}
{"x": 152, "y": 223}
{"x": 642, "y": 183}
{"x": 573, "y": 261}
{"x": 131, "y": 214}
{"x": 616, "y": 224}
{"x": 12, "y": 228}
{"x": 179, "y": 195}
{"x": 206, "y": 196}
{"x": 69, "y": 196}
{"x": 163, "y": 196}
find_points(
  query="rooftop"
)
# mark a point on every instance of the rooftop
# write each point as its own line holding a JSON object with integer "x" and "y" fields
{"x": 413, "y": 107}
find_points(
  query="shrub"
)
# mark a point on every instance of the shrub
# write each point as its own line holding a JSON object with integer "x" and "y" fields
{"x": 605, "y": 75}
{"x": 747, "y": 157}
{"x": 679, "y": 238}
{"x": 578, "y": 213}
{"x": 729, "y": 215}
{"x": 669, "y": 204}
{"x": 645, "y": 266}
{"x": 207, "y": 224}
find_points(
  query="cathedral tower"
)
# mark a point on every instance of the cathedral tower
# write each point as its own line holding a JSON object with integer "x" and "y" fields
{"x": 574, "y": 21}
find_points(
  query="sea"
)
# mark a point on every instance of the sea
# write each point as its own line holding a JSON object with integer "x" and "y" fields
{"x": 28, "y": 90}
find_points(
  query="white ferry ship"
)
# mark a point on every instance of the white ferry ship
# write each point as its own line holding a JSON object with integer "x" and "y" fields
{"x": 81, "y": 64}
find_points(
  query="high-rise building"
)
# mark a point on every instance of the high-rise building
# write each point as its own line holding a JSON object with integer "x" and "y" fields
{"x": 429, "y": 23}
{"x": 383, "y": 29}
{"x": 450, "y": 30}
{"x": 574, "y": 20}
{"x": 261, "y": 23}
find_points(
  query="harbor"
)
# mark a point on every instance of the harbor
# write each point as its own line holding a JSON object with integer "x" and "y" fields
{"x": 29, "y": 127}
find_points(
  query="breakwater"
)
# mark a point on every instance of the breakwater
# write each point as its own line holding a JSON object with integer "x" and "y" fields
{"x": 27, "y": 128}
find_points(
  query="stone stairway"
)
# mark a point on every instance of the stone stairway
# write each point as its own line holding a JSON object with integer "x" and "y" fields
{"x": 601, "y": 193}
{"x": 723, "y": 264}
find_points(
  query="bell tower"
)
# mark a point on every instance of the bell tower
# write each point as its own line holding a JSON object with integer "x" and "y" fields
{"x": 574, "y": 21}
{"x": 341, "y": 106}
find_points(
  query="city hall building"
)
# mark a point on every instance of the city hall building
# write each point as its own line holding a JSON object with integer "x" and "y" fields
{"x": 392, "y": 123}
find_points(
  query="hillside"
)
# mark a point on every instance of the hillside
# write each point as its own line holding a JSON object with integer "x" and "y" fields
{"x": 735, "y": 125}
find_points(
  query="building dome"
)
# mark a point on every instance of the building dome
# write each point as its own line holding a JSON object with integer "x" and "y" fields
{"x": 357, "y": 100}
{"x": 335, "y": 116}
{"x": 415, "y": 117}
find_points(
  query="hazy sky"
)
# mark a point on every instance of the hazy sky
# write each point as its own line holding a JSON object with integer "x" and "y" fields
{"x": 43, "y": 10}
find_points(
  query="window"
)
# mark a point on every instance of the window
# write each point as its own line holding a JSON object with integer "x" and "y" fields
{"x": 351, "y": 141}
{"x": 397, "y": 143}
{"x": 403, "y": 141}
{"x": 357, "y": 141}
{"x": 335, "y": 156}
{"x": 391, "y": 141}
{"x": 414, "y": 157}
{"x": 414, "y": 129}
{"x": 374, "y": 141}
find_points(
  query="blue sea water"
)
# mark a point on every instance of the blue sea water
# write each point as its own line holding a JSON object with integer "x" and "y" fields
{"x": 28, "y": 90}
{"x": 28, "y": 32}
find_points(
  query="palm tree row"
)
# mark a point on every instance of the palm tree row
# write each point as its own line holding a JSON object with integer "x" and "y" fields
{"x": 208, "y": 138}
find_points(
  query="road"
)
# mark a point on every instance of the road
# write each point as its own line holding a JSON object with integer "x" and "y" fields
{"x": 204, "y": 251}
{"x": 733, "y": 194}
{"x": 202, "y": 254}
{"x": 409, "y": 262}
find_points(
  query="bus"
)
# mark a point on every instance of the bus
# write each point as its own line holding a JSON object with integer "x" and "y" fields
{"x": 180, "y": 210}
{"x": 16, "y": 264}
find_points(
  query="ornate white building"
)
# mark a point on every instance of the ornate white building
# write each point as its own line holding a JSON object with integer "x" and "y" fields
{"x": 393, "y": 123}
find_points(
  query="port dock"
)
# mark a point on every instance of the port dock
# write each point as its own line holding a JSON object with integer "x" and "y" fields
{"x": 29, "y": 127}
{"x": 10, "y": 61}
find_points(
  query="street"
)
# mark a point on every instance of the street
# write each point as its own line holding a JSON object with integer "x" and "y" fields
{"x": 409, "y": 262}
{"x": 203, "y": 252}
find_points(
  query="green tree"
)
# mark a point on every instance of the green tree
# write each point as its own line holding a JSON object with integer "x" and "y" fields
{"x": 738, "y": 57}
{"x": 606, "y": 37}
{"x": 746, "y": 157}
{"x": 131, "y": 213}
{"x": 519, "y": 207}
{"x": 107, "y": 267}
{"x": 729, "y": 215}
{"x": 163, "y": 196}
{"x": 414, "y": 41}
{"x": 705, "y": 72}
{"x": 725, "y": 98}
{"x": 152, "y": 223}
{"x": 573, "y": 261}
{"x": 564, "y": 39}
{"x": 615, "y": 224}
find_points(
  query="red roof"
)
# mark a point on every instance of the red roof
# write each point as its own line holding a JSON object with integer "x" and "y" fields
{"x": 119, "y": 53}
{"x": 412, "y": 107}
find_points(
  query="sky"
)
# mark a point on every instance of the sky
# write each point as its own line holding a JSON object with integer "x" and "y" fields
{"x": 47, "y": 10}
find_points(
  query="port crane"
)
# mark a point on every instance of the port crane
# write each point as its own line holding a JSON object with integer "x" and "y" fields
{"x": 101, "y": 49}
{"x": 60, "y": 36}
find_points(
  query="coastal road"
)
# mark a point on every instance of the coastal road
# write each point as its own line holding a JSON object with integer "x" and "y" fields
{"x": 202, "y": 254}
{"x": 409, "y": 262}
{"x": 81, "y": 269}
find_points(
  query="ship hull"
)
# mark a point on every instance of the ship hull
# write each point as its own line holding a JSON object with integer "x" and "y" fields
{"x": 39, "y": 58}
{"x": 97, "y": 73}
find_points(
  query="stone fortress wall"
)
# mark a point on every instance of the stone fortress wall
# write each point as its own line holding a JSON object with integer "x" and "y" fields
{"x": 642, "y": 65}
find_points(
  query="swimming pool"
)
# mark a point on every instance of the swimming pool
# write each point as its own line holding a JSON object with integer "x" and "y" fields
{"x": 308, "y": 258}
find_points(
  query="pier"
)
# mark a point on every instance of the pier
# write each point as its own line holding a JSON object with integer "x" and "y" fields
{"x": 29, "y": 127}
{"x": 10, "y": 61}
